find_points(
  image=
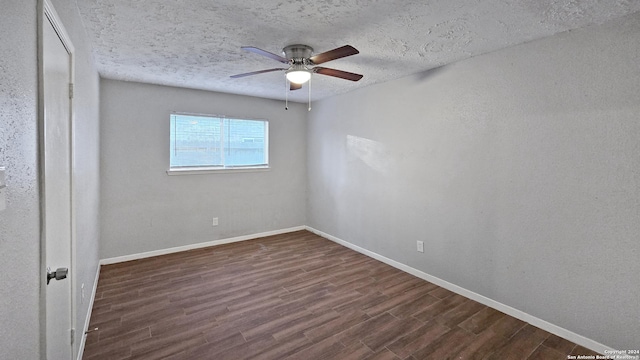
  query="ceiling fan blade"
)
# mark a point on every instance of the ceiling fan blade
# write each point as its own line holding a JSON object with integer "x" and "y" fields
{"x": 295, "y": 86}
{"x": 338, "y": 53}
{"x": 337, "y": 73}
{"x": 265, "y": 53}
{"x": 255, "y": 73}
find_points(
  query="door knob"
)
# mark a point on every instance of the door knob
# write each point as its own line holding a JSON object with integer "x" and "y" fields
{"x": 59, "y": 274}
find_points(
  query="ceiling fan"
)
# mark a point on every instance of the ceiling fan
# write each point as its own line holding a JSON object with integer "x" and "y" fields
{"x": 301, "y": 63}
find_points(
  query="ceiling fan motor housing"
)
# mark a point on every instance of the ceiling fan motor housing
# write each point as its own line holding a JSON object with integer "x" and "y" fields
{"x": 298, "y": 54}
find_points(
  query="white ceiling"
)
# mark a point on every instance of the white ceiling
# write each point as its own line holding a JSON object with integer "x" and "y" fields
{"x": 196, "y": 43}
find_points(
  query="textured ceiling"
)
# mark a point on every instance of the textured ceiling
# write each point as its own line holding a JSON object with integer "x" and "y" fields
{"x": 196, "y": 43}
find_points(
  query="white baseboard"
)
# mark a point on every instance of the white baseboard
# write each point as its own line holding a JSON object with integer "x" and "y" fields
{"x": 542, "y": 324}
{"x": 147, "y": 254}
{"x": 83, "y": 334}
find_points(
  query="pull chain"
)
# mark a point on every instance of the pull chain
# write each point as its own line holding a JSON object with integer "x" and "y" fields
{"x": 309, "y": 109}
{"x": 286, "y": 93}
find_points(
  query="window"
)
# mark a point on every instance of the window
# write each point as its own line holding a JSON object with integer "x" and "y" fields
{"x": 200, "y": 142}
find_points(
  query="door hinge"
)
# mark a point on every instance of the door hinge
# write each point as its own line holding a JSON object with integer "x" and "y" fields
{"x": 70, "y": 90}
{"x": 73, "y": 335}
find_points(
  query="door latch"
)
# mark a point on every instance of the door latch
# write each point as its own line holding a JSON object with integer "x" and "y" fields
{"x": 59, "y": 274}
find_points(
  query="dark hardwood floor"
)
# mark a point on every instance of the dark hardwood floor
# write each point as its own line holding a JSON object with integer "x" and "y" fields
{"x": 296, "y": 296}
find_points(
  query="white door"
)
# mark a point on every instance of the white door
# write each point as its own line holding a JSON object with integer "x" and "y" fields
{"x": 57, "y": 189}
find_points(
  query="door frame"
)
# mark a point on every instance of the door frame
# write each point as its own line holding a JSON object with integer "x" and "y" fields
{"x": 46, "y": 12}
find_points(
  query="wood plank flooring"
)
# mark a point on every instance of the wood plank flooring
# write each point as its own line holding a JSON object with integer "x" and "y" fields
{"x": 296, "y": 296}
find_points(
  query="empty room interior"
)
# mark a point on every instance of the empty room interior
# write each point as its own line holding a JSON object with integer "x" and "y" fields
{"x": 320, "y": 179}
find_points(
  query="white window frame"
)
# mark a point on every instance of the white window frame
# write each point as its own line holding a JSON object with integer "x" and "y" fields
{"x": 194, "y": 170}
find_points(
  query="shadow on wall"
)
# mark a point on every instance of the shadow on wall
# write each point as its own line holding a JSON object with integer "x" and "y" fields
{"x": 426, "y": 75}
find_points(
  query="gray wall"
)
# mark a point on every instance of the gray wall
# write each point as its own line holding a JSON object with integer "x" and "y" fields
{"x": 519, "y": 170}
{"x": 144, "y": 209}
{"x": 20, "y": 222}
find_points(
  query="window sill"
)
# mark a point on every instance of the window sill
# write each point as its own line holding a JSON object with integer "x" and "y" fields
{"x": 205, "y": 170}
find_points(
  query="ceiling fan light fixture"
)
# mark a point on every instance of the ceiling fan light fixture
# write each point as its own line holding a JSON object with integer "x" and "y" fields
{"x": 302, "y": 63}
{"x": 298, "y": 75}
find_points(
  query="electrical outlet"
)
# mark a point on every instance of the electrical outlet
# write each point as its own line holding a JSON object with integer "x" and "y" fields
{"x": 420, "y": 245}
{"x": 215, "y": 221}
{"x": 82, "y": 294}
